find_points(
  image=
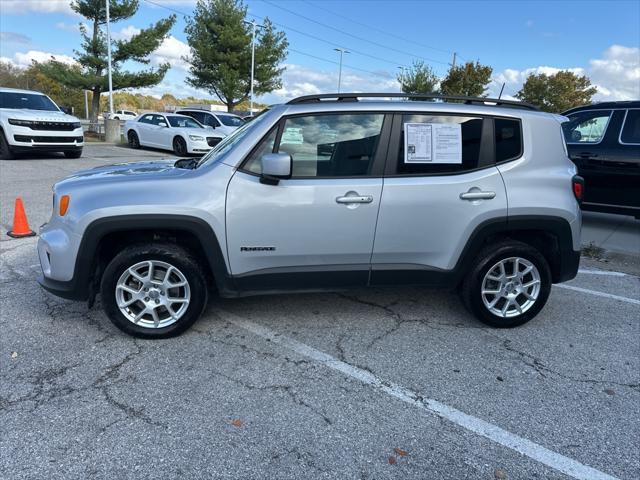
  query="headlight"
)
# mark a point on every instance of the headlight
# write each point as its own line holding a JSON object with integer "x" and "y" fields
{"x": 76, "y": 125}
{"x": 20, "y": 123}
{"x": 196, "y": 138}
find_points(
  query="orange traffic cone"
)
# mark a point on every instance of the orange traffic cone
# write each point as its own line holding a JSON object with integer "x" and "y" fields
{"x": 20, "y": 223}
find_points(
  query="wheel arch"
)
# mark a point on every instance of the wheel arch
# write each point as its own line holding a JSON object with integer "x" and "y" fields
{"x": 550, "y": 235}
{"x": 104, "y": 237}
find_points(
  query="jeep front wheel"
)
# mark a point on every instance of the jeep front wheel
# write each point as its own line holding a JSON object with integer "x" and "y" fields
{"x": 507, "y": 285}
{"x": 153, "y": 291}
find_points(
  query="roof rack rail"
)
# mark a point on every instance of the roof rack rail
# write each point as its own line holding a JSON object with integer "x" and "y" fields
{"x": 354, "y": 97}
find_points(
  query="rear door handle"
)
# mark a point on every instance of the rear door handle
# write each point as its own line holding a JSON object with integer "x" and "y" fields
{"x": 355, "y": 199}
{"x": 477, "y": 195}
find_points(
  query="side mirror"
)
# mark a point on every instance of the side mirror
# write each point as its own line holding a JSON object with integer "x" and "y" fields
{"x": 163, "y": 124}
{"x": 275, "y": 166}
{"x": 576, "y": 136}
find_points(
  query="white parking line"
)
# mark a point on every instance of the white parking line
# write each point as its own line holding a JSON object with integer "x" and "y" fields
{"x": 599, "y": 294}
{"x": 605, "y": 272}
{"x": 559, "y": 462}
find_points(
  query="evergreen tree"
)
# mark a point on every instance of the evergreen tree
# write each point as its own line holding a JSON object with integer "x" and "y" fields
{"x": 93, "y": 54}
{"x": 220, "y": 59}
{"x": 420, "y": 78}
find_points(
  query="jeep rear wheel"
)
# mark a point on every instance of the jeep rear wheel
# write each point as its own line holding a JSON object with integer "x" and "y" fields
{"x": 507, "y": 285}
{"x": 153, "y": 291}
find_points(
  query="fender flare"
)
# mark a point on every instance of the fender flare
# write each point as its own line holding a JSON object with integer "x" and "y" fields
{"x": 80, "y": 286}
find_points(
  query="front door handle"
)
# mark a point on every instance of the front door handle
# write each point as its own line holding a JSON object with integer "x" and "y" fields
{"x": 355, "y": 199}
{"x": 477, "y": 195}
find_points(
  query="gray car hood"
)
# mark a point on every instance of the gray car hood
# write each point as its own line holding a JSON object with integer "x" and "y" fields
{"x": 124, "y": 172}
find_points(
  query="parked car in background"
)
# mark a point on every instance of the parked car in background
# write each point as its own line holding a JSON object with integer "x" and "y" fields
{"x": 179, "y": 133}
{"x": 220, "y": 121}
{"x": 31, "y": 122}
{"x": 604, "y": 142}
{"x": 124, "y": 115}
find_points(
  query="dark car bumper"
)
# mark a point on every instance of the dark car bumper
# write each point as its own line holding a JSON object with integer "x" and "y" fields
{"x": 68, "y": 290}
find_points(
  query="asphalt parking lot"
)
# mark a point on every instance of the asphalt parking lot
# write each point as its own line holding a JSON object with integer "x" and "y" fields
{"x": 371, "y": 384}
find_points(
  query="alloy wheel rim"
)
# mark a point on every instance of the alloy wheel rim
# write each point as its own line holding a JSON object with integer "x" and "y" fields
{"x": 153, "y": 294}
{"x": 511, "y": 287}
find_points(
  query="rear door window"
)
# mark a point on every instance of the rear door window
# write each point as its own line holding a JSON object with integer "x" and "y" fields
{"x": 461, "y": 138}
{"x": 586, "y": 127}
{"x": 631, "y": 128}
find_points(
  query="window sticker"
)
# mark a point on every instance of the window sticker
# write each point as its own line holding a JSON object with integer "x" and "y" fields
{"x": 433, "y": 143}
{"x": 292, "y": 136}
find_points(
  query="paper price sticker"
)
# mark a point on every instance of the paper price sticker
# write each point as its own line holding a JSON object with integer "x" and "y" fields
{"x": 432, "y": 143}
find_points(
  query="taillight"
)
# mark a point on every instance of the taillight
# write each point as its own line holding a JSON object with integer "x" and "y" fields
{"x": 577, "y": 183}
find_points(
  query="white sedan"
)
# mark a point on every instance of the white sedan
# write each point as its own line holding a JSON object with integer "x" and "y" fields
{"x": 169, "y": 131}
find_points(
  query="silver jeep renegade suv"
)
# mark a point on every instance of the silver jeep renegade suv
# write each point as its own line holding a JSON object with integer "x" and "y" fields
{"x": 328, "y": 192}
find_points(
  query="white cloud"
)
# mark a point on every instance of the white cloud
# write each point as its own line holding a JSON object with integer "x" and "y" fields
{"x": 37, "y": 6}
{"x": 68, "y": 27}
{"x": 616, "y": 75}
{"x": 171, "y": 51}
{"x": 23, "y": 60}
{"x": 12, "y": 37}
{"x": 298, "y": 80}
{"x": 125, "y": 33}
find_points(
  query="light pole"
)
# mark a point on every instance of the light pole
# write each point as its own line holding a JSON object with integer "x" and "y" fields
{"x": 254, "y": 25}
{"x": 342, "y": 52}
{"x": 401, "y": 68}
{"x": 109, "y": 62}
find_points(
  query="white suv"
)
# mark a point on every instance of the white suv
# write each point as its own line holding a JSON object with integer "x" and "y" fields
{"x": 328, "y": 192}
{"x": 30, "y": 121}
{"x": 124, "y": 115}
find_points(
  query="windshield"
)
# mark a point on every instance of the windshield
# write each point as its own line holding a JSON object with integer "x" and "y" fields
{"x": 30, "y": 101}
{"x": 231, "y": 120}
{"x": 229, "y": 141}
{"x": 183, "y": 122}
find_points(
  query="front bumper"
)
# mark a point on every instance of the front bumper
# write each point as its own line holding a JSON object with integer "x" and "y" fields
{"x": 23, "y": 139}
{"x": 57, "y": 251}
{"x": 68, "y": 290}
{"x": 197, "y": 146}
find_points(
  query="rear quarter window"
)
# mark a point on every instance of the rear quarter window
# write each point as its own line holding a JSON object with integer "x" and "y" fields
{"x": 508, "y": 139}
{"x": 631, "y": 128}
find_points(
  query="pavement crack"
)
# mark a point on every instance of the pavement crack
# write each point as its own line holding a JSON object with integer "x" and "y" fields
{"x": 288, "y": 390}
{"x": 544, "y": 370}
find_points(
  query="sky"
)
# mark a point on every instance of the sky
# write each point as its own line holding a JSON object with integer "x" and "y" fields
{"x": 600, "y": 39}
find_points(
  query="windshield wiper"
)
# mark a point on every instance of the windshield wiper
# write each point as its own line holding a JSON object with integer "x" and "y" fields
{"x": 188, "y": 163}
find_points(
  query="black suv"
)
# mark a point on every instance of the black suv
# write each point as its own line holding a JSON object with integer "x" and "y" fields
{"x": 604, "y": 142}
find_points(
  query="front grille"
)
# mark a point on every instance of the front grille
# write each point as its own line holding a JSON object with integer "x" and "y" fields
{"x": 28, "y": 138}
{"x": 54, "y": 126}
{"x": 213, "y": 141}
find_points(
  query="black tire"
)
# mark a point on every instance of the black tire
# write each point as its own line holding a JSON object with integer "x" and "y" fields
{"x": 73, "y": 153}
{"x": 5, "y": 149}
{"x": 171, "y": 254}
{"x": 179, "y": 146}
{"x": 132, "y": 138}
{"x": 471, "y": 291}
{"x": 116, "y": 118}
